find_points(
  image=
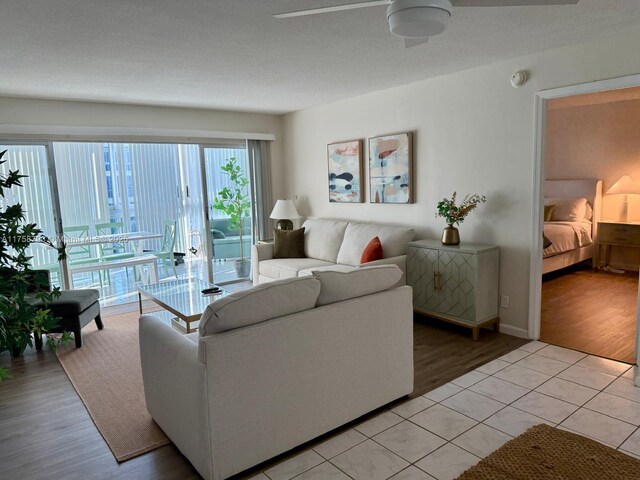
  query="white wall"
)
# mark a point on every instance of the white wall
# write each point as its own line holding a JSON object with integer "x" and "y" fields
{"x": 474, "y": 133}
{"x": 22, "y": 111}
{"x": 598, "y": 141}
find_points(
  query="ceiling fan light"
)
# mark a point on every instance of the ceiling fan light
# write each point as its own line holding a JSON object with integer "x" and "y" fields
{"x": 418, "y": 18}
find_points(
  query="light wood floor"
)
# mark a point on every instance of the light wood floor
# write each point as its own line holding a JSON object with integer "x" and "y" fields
{"x": 46, "y": 433}
{"x": 594, "y": 312}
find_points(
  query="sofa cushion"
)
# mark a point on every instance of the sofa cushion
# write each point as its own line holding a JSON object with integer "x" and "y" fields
{"x": 288, "y": 267}
{"x": 357, "y": 235}
{"x": 323, "y": 238}
{"x": 361, "y": 281}
{"x": 70, "y": 302}
{"x": 258, "y": 304}
{"x": 288, "y": 243}
{"x": 334, "y": 267}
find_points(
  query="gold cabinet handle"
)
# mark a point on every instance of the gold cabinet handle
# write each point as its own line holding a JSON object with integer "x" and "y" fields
{"x": 437, "y": 277}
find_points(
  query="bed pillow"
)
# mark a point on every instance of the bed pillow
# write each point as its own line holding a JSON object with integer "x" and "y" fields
{"x": 548, "y": 210}
{"x": 568, "y": 209}
{"x": 589, "y": 214}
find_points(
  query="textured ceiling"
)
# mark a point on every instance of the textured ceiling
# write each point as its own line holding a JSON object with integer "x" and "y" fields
{"x": 231, "y": 54}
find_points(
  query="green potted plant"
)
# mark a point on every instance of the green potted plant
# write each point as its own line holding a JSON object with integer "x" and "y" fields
{"x": 234, "y": 202}
{"x": 455, "y": 214}
{"x": 19, "y": 319}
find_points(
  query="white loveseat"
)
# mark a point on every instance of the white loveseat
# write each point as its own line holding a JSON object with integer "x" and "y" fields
{"x": 333, "y": 245}
{"x": 278, "y": 365}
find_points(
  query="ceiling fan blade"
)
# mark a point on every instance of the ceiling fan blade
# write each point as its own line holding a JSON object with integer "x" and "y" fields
{"x": 336, "y": 8}
{"x": 412, "y": 42}
{"x": 510, "y": 3}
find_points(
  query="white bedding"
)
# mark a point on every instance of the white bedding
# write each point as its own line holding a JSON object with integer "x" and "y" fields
{"x": 566, "y": 236}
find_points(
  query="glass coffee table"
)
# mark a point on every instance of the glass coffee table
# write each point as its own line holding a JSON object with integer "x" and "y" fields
{"x": 182, "y": 297}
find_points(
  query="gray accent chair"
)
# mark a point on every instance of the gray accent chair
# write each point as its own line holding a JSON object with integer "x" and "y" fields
{"x": 74, "y": 309}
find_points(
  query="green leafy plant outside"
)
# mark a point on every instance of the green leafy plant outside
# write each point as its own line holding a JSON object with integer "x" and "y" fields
{"x": 19, "y": 318}
{"x": 455, "y": 214}
{"x": 234, "y": 201}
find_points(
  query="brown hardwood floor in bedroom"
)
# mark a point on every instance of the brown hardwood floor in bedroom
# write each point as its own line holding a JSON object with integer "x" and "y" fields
{"x": 594, "y": 312}
{"x": 46, "y": 432}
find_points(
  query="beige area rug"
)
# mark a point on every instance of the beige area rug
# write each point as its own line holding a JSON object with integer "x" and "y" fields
{"x": 106, "y": 374}
{"x": 546, "y": 453}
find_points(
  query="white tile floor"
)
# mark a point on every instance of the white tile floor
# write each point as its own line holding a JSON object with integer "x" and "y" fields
{"x": 449, "y": 429}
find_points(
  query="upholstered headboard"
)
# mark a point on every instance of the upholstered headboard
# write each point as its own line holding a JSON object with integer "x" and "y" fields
{"x": 589, "y": 188}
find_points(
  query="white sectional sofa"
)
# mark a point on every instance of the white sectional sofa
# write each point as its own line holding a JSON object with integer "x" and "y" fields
{"x": 278, "y": 365}
{"x": 333, "y": 245}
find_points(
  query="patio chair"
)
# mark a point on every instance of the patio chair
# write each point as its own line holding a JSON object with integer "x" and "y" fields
{"x": 112, "y": 250}
{"x": 78, "y": 254}
{"x": 165, "y": 254}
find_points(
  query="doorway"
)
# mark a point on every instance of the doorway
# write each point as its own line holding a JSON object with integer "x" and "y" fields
{"x": 588, "y": 300}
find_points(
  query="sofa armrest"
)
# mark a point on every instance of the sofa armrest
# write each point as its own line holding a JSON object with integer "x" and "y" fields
{"x": 175, "y": 388}
{"x": 400, "y": 261}
{"x": 259, "y": 252}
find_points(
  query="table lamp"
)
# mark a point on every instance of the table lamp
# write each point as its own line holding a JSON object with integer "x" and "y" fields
{"x": 284, "y": 211}
{"x": 625, "y": 186}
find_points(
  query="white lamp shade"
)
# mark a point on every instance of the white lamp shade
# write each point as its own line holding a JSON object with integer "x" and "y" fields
{"x": 624, "y": 186}
{"x": 284, "y": 210}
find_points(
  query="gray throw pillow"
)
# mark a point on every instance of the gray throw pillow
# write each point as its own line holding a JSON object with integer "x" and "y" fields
{"x": 289, "y": 243}
{"x": 217, "y": 234}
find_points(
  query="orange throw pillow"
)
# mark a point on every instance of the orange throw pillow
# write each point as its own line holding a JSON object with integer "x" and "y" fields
{"x": 372, "y": 252}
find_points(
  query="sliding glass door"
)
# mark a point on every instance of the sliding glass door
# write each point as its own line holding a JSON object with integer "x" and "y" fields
{"x": 134, "y": 213}
{"x": 229, "y": 210}
{"x": 36, "y": 198}
{"x": 123, "y": 203}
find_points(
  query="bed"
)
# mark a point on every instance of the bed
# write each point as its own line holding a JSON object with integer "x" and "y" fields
{"x": 572, "y": 211}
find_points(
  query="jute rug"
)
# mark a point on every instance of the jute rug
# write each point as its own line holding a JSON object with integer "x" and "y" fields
{"x": 106, "y": 374}
{"x": 546, "y": 453}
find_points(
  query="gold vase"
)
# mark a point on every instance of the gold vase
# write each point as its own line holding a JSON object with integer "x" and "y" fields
{"x": 450, "y": 235}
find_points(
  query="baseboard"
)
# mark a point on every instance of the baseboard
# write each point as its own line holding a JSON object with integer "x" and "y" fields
{"x": 514, "y": 331}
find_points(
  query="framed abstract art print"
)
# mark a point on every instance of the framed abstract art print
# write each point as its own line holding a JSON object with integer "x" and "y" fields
{"x": 391, "y": 168}
{"x": 345, "y": 167}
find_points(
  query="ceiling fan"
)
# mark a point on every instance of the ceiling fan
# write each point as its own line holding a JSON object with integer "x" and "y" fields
{"x": 417, "y": 20}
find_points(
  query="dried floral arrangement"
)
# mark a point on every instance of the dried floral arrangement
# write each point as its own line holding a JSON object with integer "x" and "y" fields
{"x": 453, "y": 213}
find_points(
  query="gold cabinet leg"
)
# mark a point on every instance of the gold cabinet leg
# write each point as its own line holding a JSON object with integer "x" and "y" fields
{"x": 476, "y": 333}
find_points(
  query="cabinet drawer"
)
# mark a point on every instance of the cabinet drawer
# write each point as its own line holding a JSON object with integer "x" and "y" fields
{"x": 619, "y": 234}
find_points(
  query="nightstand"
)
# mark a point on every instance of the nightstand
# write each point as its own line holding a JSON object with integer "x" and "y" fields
{"x": 617, "y": 234}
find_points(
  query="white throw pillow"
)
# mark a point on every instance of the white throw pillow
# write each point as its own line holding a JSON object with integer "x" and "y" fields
{"x": 568, "y": 209}
{"x": 340, "y": 286}
{"x": 394, "y": 241}
{"x": 264, "y": 302}
{"x": 323, "y": 237}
